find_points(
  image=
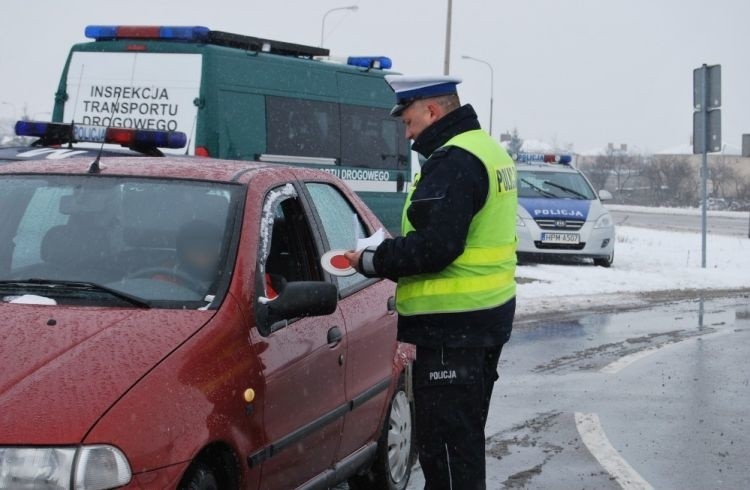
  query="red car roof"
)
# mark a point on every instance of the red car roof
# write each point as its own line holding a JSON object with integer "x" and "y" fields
{"x": 170, "y": 167}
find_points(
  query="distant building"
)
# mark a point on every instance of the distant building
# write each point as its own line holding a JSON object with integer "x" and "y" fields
{"x": 668, "y": 177}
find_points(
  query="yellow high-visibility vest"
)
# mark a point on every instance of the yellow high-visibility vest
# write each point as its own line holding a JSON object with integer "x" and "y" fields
{"x": 483, "y": 276}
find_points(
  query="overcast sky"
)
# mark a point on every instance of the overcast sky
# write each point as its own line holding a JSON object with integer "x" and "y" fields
{"x": 585, "y": 72}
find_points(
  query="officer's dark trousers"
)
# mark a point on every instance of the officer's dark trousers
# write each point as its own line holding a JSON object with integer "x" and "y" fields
{"x": 452, "y": 390}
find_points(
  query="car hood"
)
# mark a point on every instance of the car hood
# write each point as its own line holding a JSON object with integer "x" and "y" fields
{"x": 62, "y": 368}
{"x": 577, "y": 209}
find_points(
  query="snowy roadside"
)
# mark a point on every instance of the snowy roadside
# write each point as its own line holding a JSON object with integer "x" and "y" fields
{"x": 649, "y": 265}
{"x": 675, "y": 211}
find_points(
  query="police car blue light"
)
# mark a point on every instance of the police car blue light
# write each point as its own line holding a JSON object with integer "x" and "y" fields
{"x": 59, "y": 133}
{"x": 175, "y": 33}
{"x": 542, "y": 158}
{"x": 559, "y": 214}
{"x": 379, "y": 62}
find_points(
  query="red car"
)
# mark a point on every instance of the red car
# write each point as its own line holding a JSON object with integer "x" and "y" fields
{"x": 166, "y": 323}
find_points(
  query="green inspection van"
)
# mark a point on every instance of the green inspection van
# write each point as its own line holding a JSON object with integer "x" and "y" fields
{"x": 241, "y": 97}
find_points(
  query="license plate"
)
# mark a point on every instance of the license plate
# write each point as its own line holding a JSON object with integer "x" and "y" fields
{"x": 561, "y": 238}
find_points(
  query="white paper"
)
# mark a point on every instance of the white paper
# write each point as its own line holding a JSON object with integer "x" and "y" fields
{"x": 372, "y": 241}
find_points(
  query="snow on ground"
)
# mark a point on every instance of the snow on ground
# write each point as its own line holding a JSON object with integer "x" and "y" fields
{"x": 645, "y": 261}
{"x": 675, "y": 211}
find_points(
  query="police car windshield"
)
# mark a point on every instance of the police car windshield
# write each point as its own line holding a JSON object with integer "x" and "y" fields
{"x": 553, "y": 185}
{"x": 163, "y": 242}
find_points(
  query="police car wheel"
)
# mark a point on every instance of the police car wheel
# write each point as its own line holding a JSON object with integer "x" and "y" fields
{"x": 396, "y": 452}
{"x": 606, "y": 261}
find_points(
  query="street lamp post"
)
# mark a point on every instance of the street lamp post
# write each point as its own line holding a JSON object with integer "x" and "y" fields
{"x": 492, "y": 83}
{"x": 353, "y": 8}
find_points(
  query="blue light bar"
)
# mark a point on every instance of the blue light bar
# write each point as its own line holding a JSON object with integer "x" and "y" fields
{"x": 33, "y": 128}
{"x": 171, "y": 33}
{"x": 379, "y": 62}
{"x": 57, "y": 133}
{"x": 524, "y": 157}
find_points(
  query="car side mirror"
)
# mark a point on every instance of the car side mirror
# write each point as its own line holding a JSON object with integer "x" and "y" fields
{"x": 605, "y": 195}
{"x": 296, "y": 300}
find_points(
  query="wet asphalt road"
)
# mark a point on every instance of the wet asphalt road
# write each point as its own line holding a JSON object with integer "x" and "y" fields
{"x": 719, "y": 225}
{"x": 661, "y": 396}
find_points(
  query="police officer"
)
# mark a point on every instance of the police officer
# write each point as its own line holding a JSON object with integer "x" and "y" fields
{"x": 455, "y": 267}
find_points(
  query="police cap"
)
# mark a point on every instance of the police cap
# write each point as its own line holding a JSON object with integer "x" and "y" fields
{"x": 411, "y": 88}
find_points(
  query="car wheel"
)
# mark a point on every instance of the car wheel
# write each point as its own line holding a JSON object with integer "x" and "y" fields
{"x": 606, "y": 261}
{"x": 396, "y": 449}
{"x": 199, "y": 476}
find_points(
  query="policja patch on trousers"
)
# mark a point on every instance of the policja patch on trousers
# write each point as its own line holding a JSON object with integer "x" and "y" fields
{"x": 447, "y": 366}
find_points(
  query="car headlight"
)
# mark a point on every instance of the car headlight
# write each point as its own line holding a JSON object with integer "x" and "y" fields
{"x": 604, "y": 221}
{"x": 87, "y": 468}
{"x": 519, "y": 221}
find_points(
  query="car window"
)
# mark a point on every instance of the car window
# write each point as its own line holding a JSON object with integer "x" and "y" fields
{"x": 291, "y": 254}
{"x": 42, "y": 214}
{"x": 552, "y": 185}
{"x": 166, "y": 242}
{"x": 341, "y": 223}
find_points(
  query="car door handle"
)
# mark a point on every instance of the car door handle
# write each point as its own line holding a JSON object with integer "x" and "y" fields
{"x": 334, "y": 336}
{"x": 391, "y": 305}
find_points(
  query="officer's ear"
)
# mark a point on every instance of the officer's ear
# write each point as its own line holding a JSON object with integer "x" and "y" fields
{"x": 434, "y": 109}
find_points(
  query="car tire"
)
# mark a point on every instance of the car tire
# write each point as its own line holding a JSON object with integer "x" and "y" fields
{"x": 397, "y": 450}
{"x": 199, "y": 476}
{"x": 605, "y": 261}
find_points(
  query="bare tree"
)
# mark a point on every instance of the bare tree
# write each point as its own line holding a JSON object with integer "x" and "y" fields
{"x": 515, "y": 143}
{"x": 616, "y": 168}
{"x": 597, "y": 172}
{"x": 722, "y": 174}
{"x": 672, "y": 181}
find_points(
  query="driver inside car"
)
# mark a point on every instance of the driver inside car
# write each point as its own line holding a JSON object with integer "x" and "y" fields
{"x": 198, "y": 247}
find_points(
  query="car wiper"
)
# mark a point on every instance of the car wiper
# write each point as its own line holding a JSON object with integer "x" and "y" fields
{"x": 567, "y": 189}
{"x": 78, "y": 286}
{"x": 539, "y": 189}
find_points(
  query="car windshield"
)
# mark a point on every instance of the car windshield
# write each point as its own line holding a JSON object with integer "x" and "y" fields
{"x": 554, "y": 185}
{"x": 93, "y": 240}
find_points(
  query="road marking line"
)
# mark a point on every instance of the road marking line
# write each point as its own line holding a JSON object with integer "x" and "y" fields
{"x": 618, "y": 365}
{"x": 625, "y": 361}
{"x": 596, "y": 441}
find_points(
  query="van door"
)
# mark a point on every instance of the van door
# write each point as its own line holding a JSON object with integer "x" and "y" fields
{"x": 304, "y": 400}
{"x": 155, "y": 91}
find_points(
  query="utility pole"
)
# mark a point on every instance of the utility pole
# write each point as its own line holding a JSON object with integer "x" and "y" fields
{"x": 447, "y": 62}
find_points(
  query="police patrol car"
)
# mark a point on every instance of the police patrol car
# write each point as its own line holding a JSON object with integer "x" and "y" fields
{"x": 559, "y": 213}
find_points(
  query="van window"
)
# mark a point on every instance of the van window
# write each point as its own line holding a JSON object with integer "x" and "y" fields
{"x": 369, "y": 137}
{"x": 302, "y": 127}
